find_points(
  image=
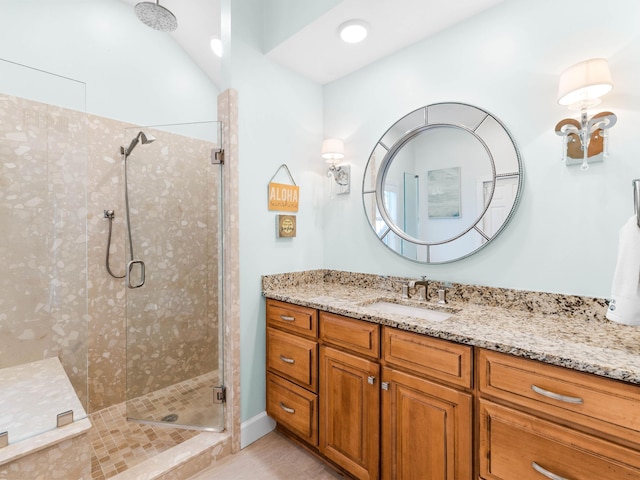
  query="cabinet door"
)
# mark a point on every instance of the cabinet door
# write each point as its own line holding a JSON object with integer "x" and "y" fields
{"x": 426, "y": 429}
{"x": 349, "y": 412}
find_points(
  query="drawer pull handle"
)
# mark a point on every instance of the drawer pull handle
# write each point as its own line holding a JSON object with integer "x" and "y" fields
{"x": 546, "y": 472}
{"x": 556, "y": 396}
{"x": 287, "y": 409}
{"x": 287, "y": 360}
{"x": 287, "y": 318}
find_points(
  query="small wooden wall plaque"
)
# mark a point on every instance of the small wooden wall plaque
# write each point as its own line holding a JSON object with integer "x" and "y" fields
{"x": 286, "y": 226}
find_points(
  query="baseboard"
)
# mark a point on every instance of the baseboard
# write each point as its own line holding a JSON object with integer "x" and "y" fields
{"x": 255, "y": 428}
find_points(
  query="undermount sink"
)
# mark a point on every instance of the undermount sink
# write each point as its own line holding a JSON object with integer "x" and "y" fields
{"x": 410, "y": 311}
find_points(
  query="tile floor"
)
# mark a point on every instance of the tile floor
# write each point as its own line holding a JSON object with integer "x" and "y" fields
{"x": 273, "y": 457}
{"x": 118, "y": 444}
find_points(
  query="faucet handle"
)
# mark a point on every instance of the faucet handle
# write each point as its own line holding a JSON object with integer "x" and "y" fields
{"x": 442, "y": 292}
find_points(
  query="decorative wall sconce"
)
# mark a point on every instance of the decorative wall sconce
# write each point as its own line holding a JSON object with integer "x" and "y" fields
{"x": 332, "y": 151}
{"x": 581, "y": 86}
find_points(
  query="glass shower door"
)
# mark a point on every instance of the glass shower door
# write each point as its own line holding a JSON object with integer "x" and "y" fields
{"x": 174, "y": 290}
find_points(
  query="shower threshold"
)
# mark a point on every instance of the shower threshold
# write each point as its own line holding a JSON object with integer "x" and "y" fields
{"x": 187, "y": 405}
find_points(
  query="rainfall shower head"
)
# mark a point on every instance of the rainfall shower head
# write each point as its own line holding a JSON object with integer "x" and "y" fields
{"x": 156, "y": 16}
{"x": 141, "y": 137}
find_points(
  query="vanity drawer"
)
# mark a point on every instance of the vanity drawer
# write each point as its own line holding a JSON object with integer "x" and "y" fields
{"x": 596, "y": 403}
{"x": 354, "y": 335}
{"x": 293, "y": 357}
{"x": 439, "y": 359}
{"x": 293, "y": 407}
{"x": 515, "y": 445}
{"x": 293, "y": 318}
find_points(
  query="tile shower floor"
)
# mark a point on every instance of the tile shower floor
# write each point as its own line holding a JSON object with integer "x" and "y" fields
{"x": 118, "y": 444}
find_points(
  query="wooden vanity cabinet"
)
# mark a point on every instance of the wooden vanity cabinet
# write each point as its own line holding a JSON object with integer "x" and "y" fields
{"x": 538, "y": 420}
{"x": 378, "y": 402}
{"x": 349, "y": 394}
{"x": 394, "y": 418}
{"x": 387, "y": 403}
{"x": 292, "y": 369}
{"x": 426, "y": 425}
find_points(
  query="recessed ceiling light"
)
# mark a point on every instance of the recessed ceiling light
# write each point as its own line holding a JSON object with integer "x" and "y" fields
{"x": 353, "y": 31}
{"x": 216, "y": 45}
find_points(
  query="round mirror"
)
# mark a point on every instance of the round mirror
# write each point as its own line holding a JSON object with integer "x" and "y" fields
{"x": 442, "y": 182}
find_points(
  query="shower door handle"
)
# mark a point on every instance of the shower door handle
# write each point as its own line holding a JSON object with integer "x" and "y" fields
{"x": 130, "y": 266}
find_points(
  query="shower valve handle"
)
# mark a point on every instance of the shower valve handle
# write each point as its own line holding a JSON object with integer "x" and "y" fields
{"x": 130, "y": 266}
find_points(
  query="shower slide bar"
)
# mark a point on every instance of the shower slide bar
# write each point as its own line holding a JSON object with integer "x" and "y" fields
{"x": 636, "y": 199}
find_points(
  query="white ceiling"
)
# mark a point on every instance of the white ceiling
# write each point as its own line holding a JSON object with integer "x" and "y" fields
{"x": 316, "y": 50}
{"x": 318, "y": 53}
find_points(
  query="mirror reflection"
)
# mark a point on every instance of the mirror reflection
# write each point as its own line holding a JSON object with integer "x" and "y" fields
{"x": 447, "y": 184}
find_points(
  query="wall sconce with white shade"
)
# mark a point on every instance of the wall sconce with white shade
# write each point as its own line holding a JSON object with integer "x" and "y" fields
{"x": 581, "y": 86}
{"x": 332, "y": 151}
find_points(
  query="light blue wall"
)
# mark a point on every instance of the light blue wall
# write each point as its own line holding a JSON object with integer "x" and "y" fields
{"x": 280, "y": 122}
{"x": 283, "y": 18}
{"x": 507, "y": 61}
{"x": 132, "y": 73}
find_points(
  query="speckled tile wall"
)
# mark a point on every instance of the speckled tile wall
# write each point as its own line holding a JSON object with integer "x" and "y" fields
{"x": 172, "y": 329}
{"x": 43, "y": 151}
{"x": 172, "y": 319}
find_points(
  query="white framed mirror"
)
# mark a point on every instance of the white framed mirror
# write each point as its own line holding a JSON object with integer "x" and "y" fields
{"x": 442, "y": 182}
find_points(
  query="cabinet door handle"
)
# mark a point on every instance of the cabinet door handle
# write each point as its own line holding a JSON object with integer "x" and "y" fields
{"x": 371, "y": 380}
{"x": 287, "y": 360}
{"x": 287, "y": 409}
{"x": 546, "y": 473}
{"x": 556, "y": 396}
{"x": 385, "y": 385}
{"x": 287, "y": 318}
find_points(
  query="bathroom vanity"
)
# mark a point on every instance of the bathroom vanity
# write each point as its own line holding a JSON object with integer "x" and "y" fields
{"x": 510, "y": 385}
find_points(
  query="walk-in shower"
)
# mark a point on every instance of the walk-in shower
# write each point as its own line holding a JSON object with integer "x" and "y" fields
{"x": 173, "y": 214}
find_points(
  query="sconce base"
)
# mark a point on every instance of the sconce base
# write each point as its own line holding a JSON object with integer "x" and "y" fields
{"x": 341, "y": 175}
{"x": 585, "y": 141}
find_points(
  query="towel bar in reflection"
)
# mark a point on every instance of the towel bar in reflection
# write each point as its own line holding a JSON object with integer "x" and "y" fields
{"x": 636, "y": 199}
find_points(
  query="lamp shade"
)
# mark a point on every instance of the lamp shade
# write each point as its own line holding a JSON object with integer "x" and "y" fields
{"x": 332, "y": 149}
{"x": 583, "y": 83}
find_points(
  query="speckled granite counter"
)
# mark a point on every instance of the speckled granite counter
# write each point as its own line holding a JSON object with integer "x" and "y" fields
{"x": 562, "y": 330}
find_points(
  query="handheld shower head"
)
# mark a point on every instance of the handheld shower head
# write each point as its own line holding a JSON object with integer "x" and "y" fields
{"x": 141, "y": 137}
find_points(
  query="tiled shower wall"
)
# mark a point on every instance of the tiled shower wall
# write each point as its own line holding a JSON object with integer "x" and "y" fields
{"x": 59, "y": 171}
{"x": 43, "y": 236}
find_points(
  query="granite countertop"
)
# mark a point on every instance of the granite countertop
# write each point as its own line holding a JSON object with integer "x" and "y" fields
{"x": 561, "y": 330}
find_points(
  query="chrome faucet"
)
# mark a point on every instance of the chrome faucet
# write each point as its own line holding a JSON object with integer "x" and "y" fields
{"x": 422, "y": 283}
